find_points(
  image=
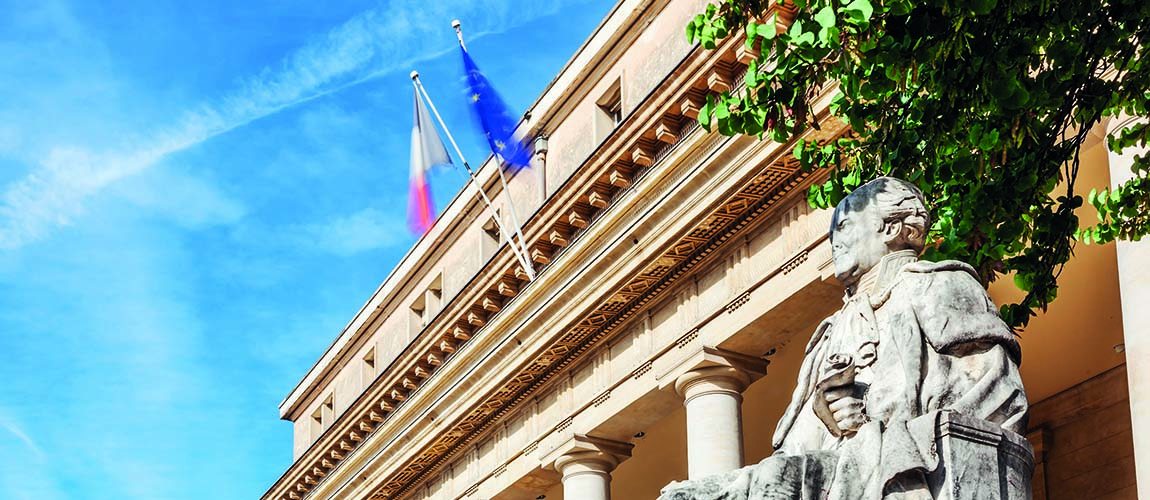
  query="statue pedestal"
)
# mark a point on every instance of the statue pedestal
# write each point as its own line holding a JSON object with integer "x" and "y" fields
{"x": 977, "y": 460}
{"x": 980, "y": 460}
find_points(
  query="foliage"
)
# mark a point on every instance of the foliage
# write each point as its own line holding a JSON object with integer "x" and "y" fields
{"x": 981, "y": 103}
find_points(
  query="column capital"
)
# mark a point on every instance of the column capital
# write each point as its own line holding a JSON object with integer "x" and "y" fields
{"x": 587, "y": 454}
{"x": 712, "y": 380}
{"x": 710, "y": 366}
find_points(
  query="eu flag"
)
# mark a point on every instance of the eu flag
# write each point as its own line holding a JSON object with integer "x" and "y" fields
{"x": 497, "y": 121}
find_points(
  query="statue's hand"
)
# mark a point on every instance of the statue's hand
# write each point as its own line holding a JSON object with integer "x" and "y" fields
{"x": 847, "y": 408}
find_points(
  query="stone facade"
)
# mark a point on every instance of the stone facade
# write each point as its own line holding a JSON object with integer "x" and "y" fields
{"x": 680, "y": 274}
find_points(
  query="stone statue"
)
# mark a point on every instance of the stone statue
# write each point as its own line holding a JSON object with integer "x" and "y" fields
{"x": 914, "y": 342}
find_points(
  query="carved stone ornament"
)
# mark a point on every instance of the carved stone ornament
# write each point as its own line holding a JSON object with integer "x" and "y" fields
{"x": 910, "y": 391}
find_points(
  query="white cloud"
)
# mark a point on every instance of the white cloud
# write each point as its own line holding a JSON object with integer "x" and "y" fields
{"x": 191, "y": 202}
{"x": 19, "y": 433}
{"x": 373, "y": 43}
{"x": 368, "y": 229}
{"x": 29, "y": 477}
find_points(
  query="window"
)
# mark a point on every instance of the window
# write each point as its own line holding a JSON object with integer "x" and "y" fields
{"x": 369, "y": 367}
{"x": 611, "y": 104}
{"x": 418, "y": 315}
{"x": 426, "y": 305}
{"x": 433, "y": 297}
{"x": 328, "y": 408}
{"x": 610, "y": 111}
{"x": 489, "y": 240}
{"x": 316, "y": 423}
{"x": 322, "y": 417}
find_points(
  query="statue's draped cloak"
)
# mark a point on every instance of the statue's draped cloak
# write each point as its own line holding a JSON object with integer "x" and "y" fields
{"x": 926, "y": 338}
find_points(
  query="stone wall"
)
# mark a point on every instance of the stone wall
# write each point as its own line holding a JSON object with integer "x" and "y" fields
{"x": 1083, "y": 439}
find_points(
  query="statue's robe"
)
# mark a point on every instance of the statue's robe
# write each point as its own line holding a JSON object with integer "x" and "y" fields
{"x": 925, "y": 337}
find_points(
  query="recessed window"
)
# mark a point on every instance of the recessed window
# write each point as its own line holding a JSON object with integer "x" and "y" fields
{"x": 611, "y": 106}
{"x": 369, "y": 367}
{"x": 418, "y": 314}
{"x": 490, "y": 239}
{"x": 316, "y": 423}
{"x": 433, "y": 297}
{"x": 427, "y": 304}
{"x": 491, "y": 229}
{"x": 322, "y": 417}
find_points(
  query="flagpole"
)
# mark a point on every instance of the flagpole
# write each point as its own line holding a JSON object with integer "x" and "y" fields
{"x": 502, "y": 179}
{"x": 519, "y": 255}
{"x": 458, "y": 32}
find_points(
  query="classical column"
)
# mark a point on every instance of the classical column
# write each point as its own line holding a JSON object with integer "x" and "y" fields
{"x": 713, "y": 397}
{"x": 586, "y": 463}
{"x": 711, "y": 382}
{"x": 1134, "y": 285}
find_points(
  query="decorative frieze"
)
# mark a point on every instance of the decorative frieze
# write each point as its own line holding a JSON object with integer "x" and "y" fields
{"x": 719, "y": 81}
{"x": 556, "y": 238}
{"x": 564, "y": 424}
{"x": 738, "y": 302}
{"x": 540, "y": 256}
{"x": 795, "y": 262}
{"x": 745, "y": 54}
{"x": 505, "y": 289}
{"x": 643, "y": 369}
{"x": 691, "y": 105}
{"x": 601, "y": 398}
{"x": 490, "y": 304}
{"x": 476, "y": 320}
{"x": 619, "y": 179}
{"x": 666, "y": 130}
{"x": 687, "y": 338}
{"x": 447, "y": 346}
{"x": 642, "y": 156}
{"x": 576, "y": 219}
{"x": 598, "y": 199}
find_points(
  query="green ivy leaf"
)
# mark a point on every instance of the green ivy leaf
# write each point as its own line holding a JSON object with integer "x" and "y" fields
{"x": 858, "y": 12}
{"x": 705, "y": 113}
{"x": 826, "y": 17}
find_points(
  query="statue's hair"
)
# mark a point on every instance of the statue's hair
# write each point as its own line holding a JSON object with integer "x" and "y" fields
{"x": 895, "y": 199}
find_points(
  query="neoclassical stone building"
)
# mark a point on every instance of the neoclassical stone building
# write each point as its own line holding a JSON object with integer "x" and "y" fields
{"x": 680, "y": 274}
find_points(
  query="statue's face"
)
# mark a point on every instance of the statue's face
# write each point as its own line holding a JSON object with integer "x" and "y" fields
{"x": 858, "y": 242}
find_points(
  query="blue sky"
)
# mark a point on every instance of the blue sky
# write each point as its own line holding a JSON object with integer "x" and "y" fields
{"x": 195, "y": 197}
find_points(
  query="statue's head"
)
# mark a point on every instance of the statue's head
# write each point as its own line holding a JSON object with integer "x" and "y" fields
{"x": 880, "y": 217}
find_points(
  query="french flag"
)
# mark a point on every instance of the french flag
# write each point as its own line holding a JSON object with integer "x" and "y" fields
{"x": 427, "y": 151}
